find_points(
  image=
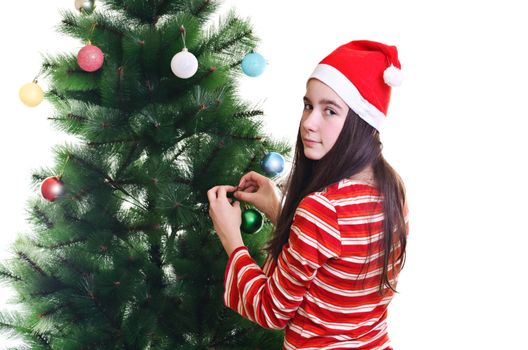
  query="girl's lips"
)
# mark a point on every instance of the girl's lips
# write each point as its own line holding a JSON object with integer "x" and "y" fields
{"x": 309, "y": 143}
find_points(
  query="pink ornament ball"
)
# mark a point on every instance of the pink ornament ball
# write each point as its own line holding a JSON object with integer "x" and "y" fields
{"x": 90, "y": 58}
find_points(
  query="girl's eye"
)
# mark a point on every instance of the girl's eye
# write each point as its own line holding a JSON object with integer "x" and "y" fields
{"x": 308, "y": 106}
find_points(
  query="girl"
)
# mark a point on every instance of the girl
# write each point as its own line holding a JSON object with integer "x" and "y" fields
{"x": 339, "y": 239}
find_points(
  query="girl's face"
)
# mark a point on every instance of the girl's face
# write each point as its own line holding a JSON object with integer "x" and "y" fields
{"x": 322, "y": 120}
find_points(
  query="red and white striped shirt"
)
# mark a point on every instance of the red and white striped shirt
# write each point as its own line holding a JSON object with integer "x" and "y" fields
{"x": 324, "y": 286}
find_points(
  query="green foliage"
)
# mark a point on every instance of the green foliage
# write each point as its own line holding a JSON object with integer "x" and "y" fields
{"x": 127, "y": 258}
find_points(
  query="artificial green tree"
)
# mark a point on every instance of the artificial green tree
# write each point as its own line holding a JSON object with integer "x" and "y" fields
{"x": 126, "y": 257}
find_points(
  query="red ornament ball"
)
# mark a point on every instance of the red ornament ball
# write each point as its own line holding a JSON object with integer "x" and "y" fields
{"x": 52, "y": 188}
{"x": 90, "y": 58}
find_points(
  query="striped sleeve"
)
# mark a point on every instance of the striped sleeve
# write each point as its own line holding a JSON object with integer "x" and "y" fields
{"x": 272, "y": 300}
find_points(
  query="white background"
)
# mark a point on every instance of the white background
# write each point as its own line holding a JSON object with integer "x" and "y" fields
{"x": 456, "y": 132}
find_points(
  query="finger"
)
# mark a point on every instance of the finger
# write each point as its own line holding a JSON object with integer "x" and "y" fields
{"x": 247, "y": 184}
{"x": 211, "y": 194}
{"x": 255, "y": 177}
{"x": 241, "y": 195}
{"x": 221, "y": 193}
{"x": 230, "y": 188}
{"x": 248, "y": 177}
{"x": 251, "y": 189}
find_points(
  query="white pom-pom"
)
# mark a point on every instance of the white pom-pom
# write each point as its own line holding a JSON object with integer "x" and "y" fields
{"x": 393, "y": 76}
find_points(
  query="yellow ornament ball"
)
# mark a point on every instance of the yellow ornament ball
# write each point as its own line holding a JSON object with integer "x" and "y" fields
{"x": 31, "y": 94}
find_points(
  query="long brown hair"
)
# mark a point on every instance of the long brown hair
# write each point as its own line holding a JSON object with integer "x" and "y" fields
{"x": 357, "y": 147}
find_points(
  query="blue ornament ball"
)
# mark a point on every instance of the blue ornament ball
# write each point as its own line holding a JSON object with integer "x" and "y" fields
{"x": 272, "y": 163}
{"x": 253, "y": 64}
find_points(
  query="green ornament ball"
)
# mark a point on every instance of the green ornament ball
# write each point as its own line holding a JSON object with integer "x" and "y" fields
{"x": 251, "y": 221}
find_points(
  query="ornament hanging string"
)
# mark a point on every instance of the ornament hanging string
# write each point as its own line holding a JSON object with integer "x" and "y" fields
{"x": 92, "y": 29}
{"x": 61, "y": 174}
{"x": 94, "y": 24}
{"x": 35, "y": 80}
{"x": 183, "y": 33}
{"x": 245, "y": 206}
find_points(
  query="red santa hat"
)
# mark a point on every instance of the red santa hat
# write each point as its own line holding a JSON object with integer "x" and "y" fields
{"x": 362, "y": 73}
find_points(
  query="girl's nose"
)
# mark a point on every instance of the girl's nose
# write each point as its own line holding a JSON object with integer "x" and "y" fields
{"x": 310, "y": 121}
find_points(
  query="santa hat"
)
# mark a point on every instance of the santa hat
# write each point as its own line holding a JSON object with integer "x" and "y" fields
{"x": 362, "y": 73}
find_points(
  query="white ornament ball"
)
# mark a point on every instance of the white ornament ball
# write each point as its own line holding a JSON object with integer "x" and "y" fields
{"x": 184, "y": 64}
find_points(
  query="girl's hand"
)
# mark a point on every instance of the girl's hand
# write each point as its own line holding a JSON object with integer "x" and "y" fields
{"x": 260, "y": 191}
{"x": 226, "y": 217}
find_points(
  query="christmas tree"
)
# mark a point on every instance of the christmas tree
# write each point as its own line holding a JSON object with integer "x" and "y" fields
{"x": 122, "y": 253}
